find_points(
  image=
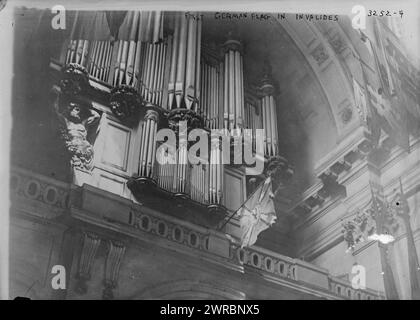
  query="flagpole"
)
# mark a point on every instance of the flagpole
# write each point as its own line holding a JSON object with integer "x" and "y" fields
{"x": 233, "y": 214}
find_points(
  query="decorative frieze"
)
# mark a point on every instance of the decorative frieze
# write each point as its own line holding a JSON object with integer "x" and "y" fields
{"x": 168, "y": 230}
{"x": 29, "y": 190}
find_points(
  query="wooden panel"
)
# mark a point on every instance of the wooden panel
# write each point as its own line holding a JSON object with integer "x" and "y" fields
{"x": 111, "y": 184}
{"x": 116, "y": 146}
{"x": 234, "y": 189}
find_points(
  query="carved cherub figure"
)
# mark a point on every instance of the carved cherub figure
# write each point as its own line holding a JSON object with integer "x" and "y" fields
{"x": 76, "y": 120}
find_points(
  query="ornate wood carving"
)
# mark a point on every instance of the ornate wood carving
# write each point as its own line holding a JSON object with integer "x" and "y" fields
{"x": 125, "y": 103}
{"x": 75, "y": 121}
{"x": 75, "y": 79}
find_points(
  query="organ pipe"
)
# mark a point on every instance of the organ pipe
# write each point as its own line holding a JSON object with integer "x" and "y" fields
{"x": 139, "y": 35}
{"x": 215, "y": 184}
{"x": 210, "y": 98}
{"x": 181, "y": 177}
{"x": 153, "y": 70}
{"x": 148, "y": 144}
{"x": 183, "y": 88}
{"x": 233, "y": 86}
{"x": 166, "y": 170}
{"x": 269, "y": 115}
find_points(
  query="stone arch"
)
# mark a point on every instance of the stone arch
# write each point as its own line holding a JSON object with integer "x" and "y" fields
{"x": 189, "y": 289}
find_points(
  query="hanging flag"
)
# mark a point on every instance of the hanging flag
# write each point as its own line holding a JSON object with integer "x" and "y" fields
{"x": 257, "y": 214}
{"x": 382, "y": 97}
{"x": 114, "y": 20}
{"x": 91, "y": 25}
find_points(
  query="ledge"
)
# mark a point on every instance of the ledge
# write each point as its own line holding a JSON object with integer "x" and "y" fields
{"x": 118, "y": 216}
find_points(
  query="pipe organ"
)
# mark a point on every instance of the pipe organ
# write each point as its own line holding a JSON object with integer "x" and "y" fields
{"x": 138, "y": 48}
{"x": 180, "y": 79}
{"x": 200, "y": 183}
{"x": 152, "y": 74}
{"x": 181, "y": 173}
{"x": 233, "y": 86}
{"x": 269, "y": 116}
{"x": 148, "y": 144}
{"x": 78, "y": 44}
{"x": 78, "y": 52}
{"x": 184, "y": 75}
{"x": 216, "y": 173}
{"x": 252, "y": 119}
{"x": 211, "y": 92}
{"x": 100, "y": 60}
{"x": 165, "y": 168}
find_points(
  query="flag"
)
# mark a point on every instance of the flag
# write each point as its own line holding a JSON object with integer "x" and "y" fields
{"x": 382, "y": 97}
{"x": 91, "y": 25}
{"x": 257, "y": 214}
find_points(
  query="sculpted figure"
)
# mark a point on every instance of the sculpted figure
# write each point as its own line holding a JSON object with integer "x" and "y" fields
{"x": 76, "y": 120}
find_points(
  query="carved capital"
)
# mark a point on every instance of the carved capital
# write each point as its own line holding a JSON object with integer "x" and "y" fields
{"x": 125, "y": 103}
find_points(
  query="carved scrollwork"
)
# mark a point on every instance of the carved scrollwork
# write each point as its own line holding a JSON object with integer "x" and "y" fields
{"x": 125, "y": 102}
{"x": 193, "y": 120}
{"x": 75, "y": 79}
